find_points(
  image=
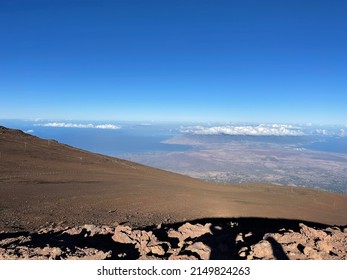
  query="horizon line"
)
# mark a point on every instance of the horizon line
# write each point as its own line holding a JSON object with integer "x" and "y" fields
{"x": 173, "y": 121}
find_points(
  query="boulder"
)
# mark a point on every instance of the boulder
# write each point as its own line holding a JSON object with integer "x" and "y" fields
{"x": 188, "y": 230}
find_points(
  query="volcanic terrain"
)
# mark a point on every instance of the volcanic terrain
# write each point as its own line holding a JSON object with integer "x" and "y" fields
{"x": 45, "y": 184}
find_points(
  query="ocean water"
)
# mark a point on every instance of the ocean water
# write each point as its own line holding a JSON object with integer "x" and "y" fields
{"x": 131, "y": 138}
{"x": 112, "y": 142}
{"x": 330, "y": 144}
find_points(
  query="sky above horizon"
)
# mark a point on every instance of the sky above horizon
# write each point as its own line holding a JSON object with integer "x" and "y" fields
{"x": 182, "y": 60}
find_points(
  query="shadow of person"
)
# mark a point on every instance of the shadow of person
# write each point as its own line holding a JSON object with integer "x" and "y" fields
{"x": 232, "y": 238}
{"x": 277, "y": 249}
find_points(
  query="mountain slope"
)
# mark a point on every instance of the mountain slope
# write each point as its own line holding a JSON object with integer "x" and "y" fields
{"x": 44, "y": 182}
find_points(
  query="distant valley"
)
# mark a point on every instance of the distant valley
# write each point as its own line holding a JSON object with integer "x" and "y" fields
{"x": 280, "y": 160}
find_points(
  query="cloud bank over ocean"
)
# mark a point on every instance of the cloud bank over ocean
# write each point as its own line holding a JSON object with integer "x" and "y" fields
{"x": 262, "y": 130}
{"x": 251, "y": 130}
{"x": 229, "y": 129}
{"x": 79, "y": 125}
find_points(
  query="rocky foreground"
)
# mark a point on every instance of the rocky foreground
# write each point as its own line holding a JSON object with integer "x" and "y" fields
{"x": 244, "y": 238}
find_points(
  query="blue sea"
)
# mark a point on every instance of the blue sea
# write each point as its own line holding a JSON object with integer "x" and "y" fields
{"x": 329, "y": 144}
{"x": 130, "y": 138}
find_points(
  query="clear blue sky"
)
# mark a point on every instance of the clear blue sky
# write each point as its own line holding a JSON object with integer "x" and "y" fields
{"x": 216, "y": 60}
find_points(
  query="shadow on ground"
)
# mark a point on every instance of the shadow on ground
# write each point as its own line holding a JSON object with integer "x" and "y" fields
{"x": 215, "y": 239}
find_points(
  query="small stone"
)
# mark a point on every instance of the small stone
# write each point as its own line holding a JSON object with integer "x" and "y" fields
{"x": 73, "y": 231}
{"x": 92, "y": 229}
{"x": 122, "y": 237}
{"x": 146, "y": 257}
{"x": 233, "y": 224}
{"x": 201, "y": 249}
{"x": 182, "y": 257}
{"x": 218, "y": 228}
{"x": 243, "y": 249}
{"x": 45, "y": 251}
{"x": 121, "y": 255}
{"x": 106, "y": 230}
{"x": 239, "y": 238}
{"x": 158, "y": 250}
{"x": 243, "y": 252}
{"x": 56, "y": 252}
{"x": 49, "y": 252}
{"x": 261, "y": 250}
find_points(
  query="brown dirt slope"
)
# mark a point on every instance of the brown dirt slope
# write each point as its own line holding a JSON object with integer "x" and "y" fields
{"x": 43, "y": 182}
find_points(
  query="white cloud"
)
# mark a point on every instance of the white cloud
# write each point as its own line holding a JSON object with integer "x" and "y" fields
{"x": 323, "y": 132}
{"x": 331, "y": 132}
{"x": 107, "y": 126}
{"x": 265, "y": 130}
{"x": 250, "y": 130}
{"x": 79, "y": 125}
{"x": 145, "y": 124}
{"x": 29, "y": 131}
{"x": 61, "y": 124}
{"x": 342, "y": 132}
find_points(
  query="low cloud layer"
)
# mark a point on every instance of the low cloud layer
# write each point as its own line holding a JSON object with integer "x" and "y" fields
{"x": 79, "y": 125}
{"x": 250, "y": 130}
{"x": 265, "y": 130}
{"x": 342, "y": 132}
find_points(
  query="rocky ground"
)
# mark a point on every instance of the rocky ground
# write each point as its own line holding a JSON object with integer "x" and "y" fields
{"x": 243, "y": 238}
